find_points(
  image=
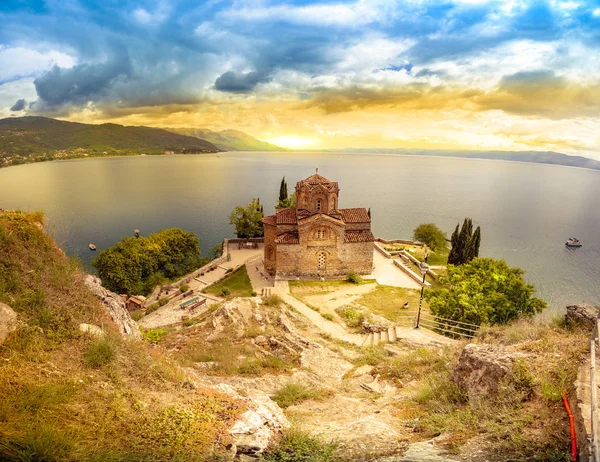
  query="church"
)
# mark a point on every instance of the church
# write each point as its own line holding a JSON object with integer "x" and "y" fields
{"x": 315, "y": 238}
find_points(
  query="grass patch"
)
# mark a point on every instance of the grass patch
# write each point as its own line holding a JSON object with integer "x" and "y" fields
{"x": 298, "y": 446}
{"x": 137, "y": 315}
{"x": 327, "y": 316}
{"x": 389, "y": 301}
{"x": 353, "y": 317}
{"x": 99, "y": 352}
{"x": 236, "y": 284}
{"x": 154, "y": 335}
{"x": 294, "y": 393}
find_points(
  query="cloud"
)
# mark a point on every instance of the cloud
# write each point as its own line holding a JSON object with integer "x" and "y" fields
{"x": 233, "y": 82}
{"x": 18, "y": 106}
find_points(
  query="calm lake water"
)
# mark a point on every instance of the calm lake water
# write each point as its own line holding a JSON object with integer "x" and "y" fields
{"x": 526, "y": 211}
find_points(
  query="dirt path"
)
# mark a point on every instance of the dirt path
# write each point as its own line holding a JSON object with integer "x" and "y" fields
{"x": 329, "y": 302}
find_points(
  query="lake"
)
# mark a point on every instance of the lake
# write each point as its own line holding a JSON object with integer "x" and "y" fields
{"x": 526, "y": 211}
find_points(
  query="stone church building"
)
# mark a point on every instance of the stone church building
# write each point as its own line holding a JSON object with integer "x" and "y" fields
{"x": 316, "y": 238}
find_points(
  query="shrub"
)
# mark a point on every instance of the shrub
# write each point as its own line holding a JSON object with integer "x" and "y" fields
{"x": 298, "y": 446}
{"x": 294, "y": 393}
{"x": 152, "y": 308}
{"x": 225, "y": 291}
{"x": 351, "y": 316}
{"x": 272, "y": 300}
{"x": 137, "y": 315}
{"x": 253, "y": 294}
{"x": 430, "y": 234}
{"x": 162, "y": 301}
{"x": 327, "y": 316}
{"x": 184, "y": 288}
{"x": 99, "y": 352}
{"x": 154, "y": 335}
{"x": 250, "y": 367}
{"x": 354, "y": 278}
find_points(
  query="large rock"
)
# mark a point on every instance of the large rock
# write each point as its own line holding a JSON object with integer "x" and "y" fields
{"x": 115, "y": 307}
{"x": 257, "y": 427}
{"x": 481, "y": 367}
{"x": 8, "y": 321}
{"x": 583, "y": 315}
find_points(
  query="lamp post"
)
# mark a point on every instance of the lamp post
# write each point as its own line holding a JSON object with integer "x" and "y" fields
{"x": 424, "y": 267}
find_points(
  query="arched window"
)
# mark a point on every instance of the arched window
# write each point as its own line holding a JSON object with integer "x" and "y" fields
{"x": 322, "y": 259}
{"x": 321, "y": 234}
{"x": 318, "y": 205}
{"x": 333, "y": 202}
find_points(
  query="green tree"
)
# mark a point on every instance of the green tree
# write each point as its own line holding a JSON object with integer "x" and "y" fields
{"x": 136, "y": 265}
{"x": 465, "y": 244}
{"x": 247, "y": 220}
{"x": 289, "y": 202}
{"x": 484, "y": 291}
{"x": 283, "y": 192}
{"x": 430, "y": 234}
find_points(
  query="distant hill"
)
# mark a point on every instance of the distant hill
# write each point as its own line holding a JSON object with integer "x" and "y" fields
{"x": 538, "y": 157}
{"x": 22, "y": 137}
{"x": 228, "y": 140}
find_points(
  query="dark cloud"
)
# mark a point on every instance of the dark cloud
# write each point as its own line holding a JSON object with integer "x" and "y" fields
{"x": 80, "y": 84}
{"x": 233, "y": 82}
{"x": 19, "y": 105}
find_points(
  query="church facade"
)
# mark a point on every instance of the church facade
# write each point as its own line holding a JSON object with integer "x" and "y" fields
{"x": 316, "y": 238}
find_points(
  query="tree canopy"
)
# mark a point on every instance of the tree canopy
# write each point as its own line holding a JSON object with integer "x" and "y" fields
{"x": 484, "y": 291}
{"x": 431, "y": 235}
{"x": 285, "y": 201}
{"x": 464, "y": 244}
{"x": 248, "y": 220}
{"x": 136, "y": 265}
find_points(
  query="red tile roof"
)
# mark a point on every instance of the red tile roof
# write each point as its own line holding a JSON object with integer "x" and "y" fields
{"x": 286, "y": 217}
{"x": 270, "y": 220}
{"x": 359, "y": 215}
{"x": 359, "y": 236}
{"x": 317, "y": 179}
{"x": 287, "y": 238}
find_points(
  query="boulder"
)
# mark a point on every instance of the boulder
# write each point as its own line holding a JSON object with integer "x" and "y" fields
{"x": 8, "y": 321}
{"x": 481, "y": 367}
{"x": 91, "y": 329}
{"x": 256, "y": 428}
{"x": 114, "y": 305}
{"x": 583, "y": 315}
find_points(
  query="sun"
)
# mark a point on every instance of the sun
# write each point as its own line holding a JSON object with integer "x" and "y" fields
{"x": 292, "y": 141}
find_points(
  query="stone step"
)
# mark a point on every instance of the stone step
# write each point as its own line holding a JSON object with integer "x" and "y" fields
{"x": 385, "y": 338}
{"x": 376, "y": 338}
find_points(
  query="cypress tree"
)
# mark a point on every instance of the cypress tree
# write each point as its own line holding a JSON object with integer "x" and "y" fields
{"x": 464, "y": 241}
{"x": 283, "y": 194}
{"x": 475, "y": 243}
{"x": 452, "y": 256}
{"x": 369, "y": 212}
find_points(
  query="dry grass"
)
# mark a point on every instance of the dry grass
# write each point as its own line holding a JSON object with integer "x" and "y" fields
{"x": 389, "y": 301}
{"x": 67, "y": 396}
{"x": 236, "y": 284}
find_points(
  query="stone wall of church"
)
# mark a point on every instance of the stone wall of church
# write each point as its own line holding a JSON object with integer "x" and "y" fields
{"x": 270, "y": 250}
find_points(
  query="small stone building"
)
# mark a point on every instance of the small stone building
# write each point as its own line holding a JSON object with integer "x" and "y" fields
{"x": 316, "y": 238}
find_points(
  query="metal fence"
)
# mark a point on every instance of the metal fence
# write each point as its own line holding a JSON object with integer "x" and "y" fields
{"x": 443, "y": 326}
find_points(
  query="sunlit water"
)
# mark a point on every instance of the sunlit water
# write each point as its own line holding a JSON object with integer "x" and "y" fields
{"x": 526, "y": 211}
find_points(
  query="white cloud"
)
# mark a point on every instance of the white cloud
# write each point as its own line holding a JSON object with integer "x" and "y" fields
{"x": 24, "y": 62}
{"x": 10, "y": 92}
{"x": 147, "y": 18}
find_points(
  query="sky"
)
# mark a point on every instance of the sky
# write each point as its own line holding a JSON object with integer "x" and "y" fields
{"x": 417, "y": 74}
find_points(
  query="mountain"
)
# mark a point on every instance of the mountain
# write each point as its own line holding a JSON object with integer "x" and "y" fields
{"x": 228, "y": 140}
{"x": 41, "y": 136}
{"x": 538, "y": 157}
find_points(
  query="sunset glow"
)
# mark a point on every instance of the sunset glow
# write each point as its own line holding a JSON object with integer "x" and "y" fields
{"x": 506, "y": 75}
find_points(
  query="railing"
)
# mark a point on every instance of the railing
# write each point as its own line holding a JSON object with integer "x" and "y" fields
{"x": 595, "y": 453}
{"x": 443, "y": 326}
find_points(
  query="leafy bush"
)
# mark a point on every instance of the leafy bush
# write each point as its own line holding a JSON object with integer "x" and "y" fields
{"x": 484, "y": 291}
{"x": 162, "y": 301}
{"x": 225, "y": 291}
{"x": 327, "y": 316}
{"x": 154, "y": 335}
{"x": 298, "y": 446}
{"x": 184, "y": 288}
{"x": 431, "y": 235}
{"x": 354, "y": 278}
{"x": 352, "y": 316}
{"x": 136, "y": 265}
{"x": 99, "y": 352}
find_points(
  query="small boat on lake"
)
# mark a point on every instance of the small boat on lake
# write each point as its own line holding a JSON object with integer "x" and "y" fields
{"x": 92, "y": 247}
{"x": 573, "y": 242}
